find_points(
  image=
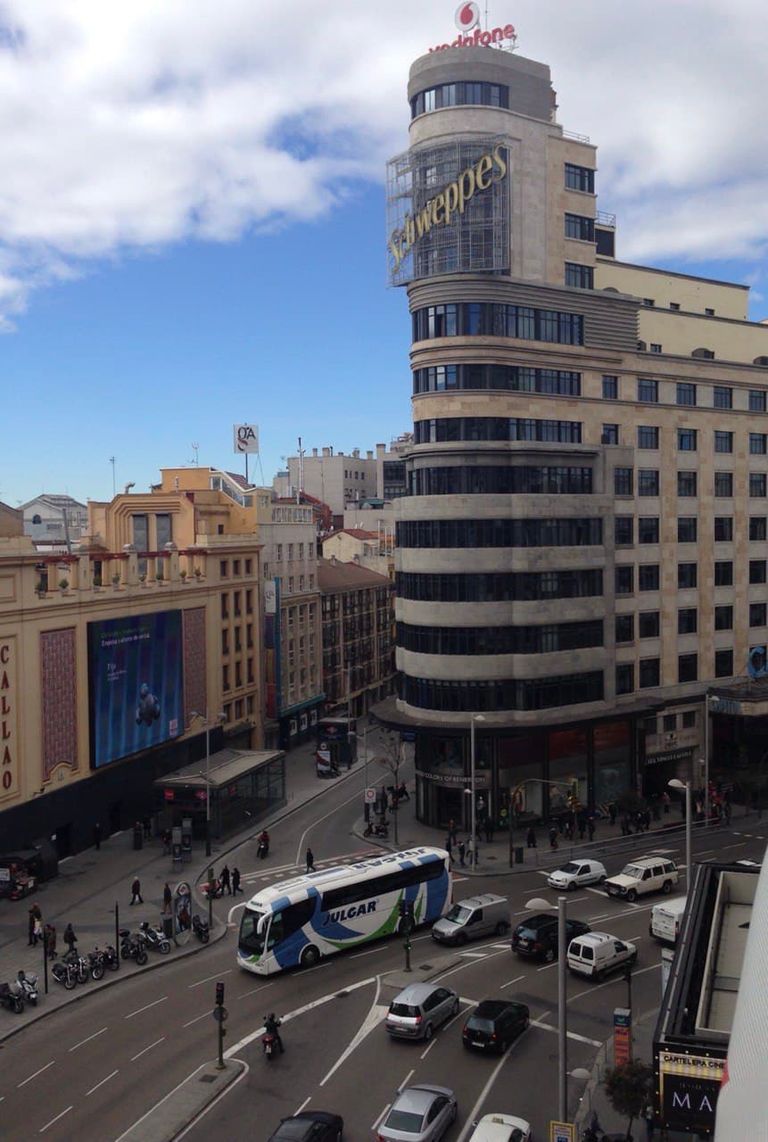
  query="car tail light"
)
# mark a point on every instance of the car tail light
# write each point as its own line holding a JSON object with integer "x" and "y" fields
{"x": 493, "y": 1035}
{"x": 418, "y": 1020}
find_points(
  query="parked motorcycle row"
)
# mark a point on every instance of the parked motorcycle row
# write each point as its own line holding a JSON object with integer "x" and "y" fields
{"x": 74, "y": 968}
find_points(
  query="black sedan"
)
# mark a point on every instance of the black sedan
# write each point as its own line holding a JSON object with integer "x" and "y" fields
{"x": 310, "y": 1126}
{"x": 494, "y": 1024}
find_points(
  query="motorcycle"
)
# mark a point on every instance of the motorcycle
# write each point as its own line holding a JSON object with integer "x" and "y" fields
{"x": 155, "y": 938}
{"x": 28, "y": 985}
{"x": 81, "y": 965}
{"x": 263, "y": 849}
{"x": 214, "y": 889}
{"x": 110, "y": 957}
{"x": 201, "y": 929}
{"x": 12, "y": 997}
{"x": 65, "y": 974}
{"x": 376, "y": 830}
{"x": 97, "y": 963}
{"x": 269, "y": 1040}
{"x": 133, "y": 947}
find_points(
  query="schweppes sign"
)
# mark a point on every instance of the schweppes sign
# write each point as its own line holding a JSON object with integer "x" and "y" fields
{"x": 490, "y": 168}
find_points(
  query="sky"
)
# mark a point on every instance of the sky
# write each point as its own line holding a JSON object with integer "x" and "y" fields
{"x": 192, "y": 209}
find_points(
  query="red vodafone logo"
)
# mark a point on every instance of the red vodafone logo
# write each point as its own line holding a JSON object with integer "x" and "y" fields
{"x": 467, "y": 16}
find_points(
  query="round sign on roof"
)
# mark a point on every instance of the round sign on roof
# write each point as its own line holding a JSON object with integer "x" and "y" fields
{"x": 467, "y": 17}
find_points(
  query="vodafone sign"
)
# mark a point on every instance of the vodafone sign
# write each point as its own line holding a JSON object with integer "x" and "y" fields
{"x": 467, "y": 16}
{"x": 471, "y": 35}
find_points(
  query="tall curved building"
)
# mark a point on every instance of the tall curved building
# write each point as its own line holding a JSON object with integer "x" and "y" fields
{"x": 559, "y": 465}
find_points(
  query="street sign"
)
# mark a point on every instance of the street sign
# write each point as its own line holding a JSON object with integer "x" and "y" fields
{"x": 562, "y": 1132}
{"x": 369, "y": 797}
{"x": 220, "y": 1014}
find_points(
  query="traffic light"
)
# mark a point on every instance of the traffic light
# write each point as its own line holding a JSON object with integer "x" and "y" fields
{"x": 220, "y": 994}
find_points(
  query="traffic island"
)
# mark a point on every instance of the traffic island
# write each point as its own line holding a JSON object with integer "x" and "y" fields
{"x": 184, "y": 1105}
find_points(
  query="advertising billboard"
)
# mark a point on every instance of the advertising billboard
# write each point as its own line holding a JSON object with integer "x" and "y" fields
{"x": 135, "y": 684}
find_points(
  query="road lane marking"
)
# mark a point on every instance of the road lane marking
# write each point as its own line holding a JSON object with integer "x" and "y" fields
{"x": 608, "y": 982}
{"x": 197, "y": 1019}
{"x": 106, "y": 1080}
{"x": 401, "y": 1086}
{"x": 146, "y": 1007}
{"x": 570, "y": 1034}
{"x": 511, "y": 981}
{"x": 376, "y": 1014}
{"x": 149, "y": 1048}
{"x": 304, "y": 1103}
{"x": 475, "y": 1111}
{"x": 477, "y": 955}
{"x": 82, "y": 1041}
{"x": 301, "y": 848}
{"x": 56, "y": 1119}
{"x": 380, "y": 1117}
{"x": 371, "y": 952}
{"x": 34, "y": 1076}
{"x": 253, "y": 990}
{"x": 208, "y": 978}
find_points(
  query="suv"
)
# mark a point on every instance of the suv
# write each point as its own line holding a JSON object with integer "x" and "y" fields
{"x": 419, "y": 1009}
{"x": 647, "y": 874}
{"x": 494, "y": 1024}
{"x": 536, "y": 937}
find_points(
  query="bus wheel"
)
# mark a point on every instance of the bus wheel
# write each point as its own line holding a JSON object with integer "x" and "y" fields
{"x": 309, "y": 957}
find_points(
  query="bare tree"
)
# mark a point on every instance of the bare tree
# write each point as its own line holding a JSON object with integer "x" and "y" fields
{"x": 390, "y": 758}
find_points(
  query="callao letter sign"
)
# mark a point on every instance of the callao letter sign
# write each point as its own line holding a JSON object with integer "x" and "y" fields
{"x": 246, "y": 438}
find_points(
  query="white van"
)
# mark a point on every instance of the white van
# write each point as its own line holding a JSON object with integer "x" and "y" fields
{"x": 666, "y": 919}
{"x": 473, "y": 918}
{"x": 595, "y": 954}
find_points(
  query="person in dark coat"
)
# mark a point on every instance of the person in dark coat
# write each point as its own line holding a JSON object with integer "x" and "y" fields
{"x": 167, "y": 898}
{"x": 236, "y": 881}
{"x": 591, "y": 828}
{"x": 226, "y": 884}
{"x": 462, "y": 849}
{"x": 136, "y": 897}
{"x": 97, "y": 835}
{"x": 530, "y": 839}
{"x": 70, "y": 939}
{"x": 50, "y": 940}
{"x": 310, "y": 861}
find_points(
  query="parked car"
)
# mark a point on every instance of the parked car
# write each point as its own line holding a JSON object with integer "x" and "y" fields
{"x": 577, "y": 874}
{"x": 644, "y": 875}
{"x": 666, "y": 919}
{"x": 596, "y": 954}
{"x": 420, "y": 1009}
{"x": 536, "y": 936}
{"x": 494, "y": 1024}
{"x": 473, "y": 918}
{"x": 420, "y": 1113}
{"x": 310, "y": 1126}
{"x": 501, "y": 1128}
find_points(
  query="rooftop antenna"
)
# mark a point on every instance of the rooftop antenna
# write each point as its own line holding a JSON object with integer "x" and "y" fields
{"x": 114, "y": 486}
{"x": 196, "y": 457}
{"x": 300, "y": 488}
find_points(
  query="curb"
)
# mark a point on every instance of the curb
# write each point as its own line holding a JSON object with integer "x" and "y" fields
{"x": 587, "y": 1100}
{"x": 186, "y": 1103}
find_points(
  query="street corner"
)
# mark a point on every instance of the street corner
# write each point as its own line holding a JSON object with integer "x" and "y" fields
{"x": 185, "y": 1104}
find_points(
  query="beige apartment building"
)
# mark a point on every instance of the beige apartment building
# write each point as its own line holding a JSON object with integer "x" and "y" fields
{"x": 372, "y": 549}
{"x": 581, "y": 556}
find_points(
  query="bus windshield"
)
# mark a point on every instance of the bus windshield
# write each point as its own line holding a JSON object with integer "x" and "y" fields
{"x": 253, "y": 928}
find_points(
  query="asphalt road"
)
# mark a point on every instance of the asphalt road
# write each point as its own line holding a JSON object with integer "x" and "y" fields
{"x": 92, "y": 1069}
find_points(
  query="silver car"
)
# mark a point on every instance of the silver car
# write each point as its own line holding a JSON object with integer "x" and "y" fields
{"x": 577, "y": 874}
{"x": 420, "y": 1113}
{"x": 419, "y": 1009}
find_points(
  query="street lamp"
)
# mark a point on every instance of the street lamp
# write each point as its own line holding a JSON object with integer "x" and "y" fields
{"x": 219, "y": 718}
{"x": 676, "y": 783}
{"x": 473, "y": 807}
{"x": 538, "y": 904}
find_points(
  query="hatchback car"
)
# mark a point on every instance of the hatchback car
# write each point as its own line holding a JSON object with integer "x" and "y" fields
{"x": 310, "y": 1126}
{"x": 420, "y": 1009}
{"x": 501, "y": 1128}
{"x": 536, "y": 937}
{"x": 420, "y": 1113}
{"x": 494, "y": 1024}
{"x": 577, "y": 874}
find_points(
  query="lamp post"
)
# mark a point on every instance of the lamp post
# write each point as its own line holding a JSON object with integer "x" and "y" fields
{"x": 219, "y": 718}
{"x": 676, "y": 783}
{"x": 538, "y": 904}
{"x": 472, "y": 793}
{"x": 705, "y": 759}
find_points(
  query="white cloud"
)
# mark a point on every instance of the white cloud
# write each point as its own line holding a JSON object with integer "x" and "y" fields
{"x": 123, "y": 127}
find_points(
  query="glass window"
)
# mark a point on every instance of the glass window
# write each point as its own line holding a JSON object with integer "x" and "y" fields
{"x": 686, "y": 439}
{"x": 724, "y": 485}
{"x": 723, "y": 573}
{"x": 686, "y": 483}
{"x": 687, "y": 620}
{"x": 625, "y": 628}
{"x": 670, "y": 723}
{"x": 724, "y": 618}
{"x": 625, "y": 580}
{"x": 724, "y": 529}
{"x": 578, "y": 276}
{"x": 687, "y": 527}
{"x": 757, "y": 527}
{"x": 689, "y": 719}
{"x": 757, "y": 485}
{"x": 648, "y": 391}
{"x": 687, "y": 667}
{"x": 623, "y": 530}
{"x": 687, "y": 575}
{"x": 650, "y": 672}
{"x": 647, "y": 436}
{"x": 757, "y": 571}
{"x": 722, "y": 397}
{"x": 622, "y": 481}
{"x": 579, "y": 178}
{"x": 610, "y": 434}
{"x": 723, "y": 664}
{"x": 650, "y": 726}
{"x": 648, "y": 529}
{"x": 686, "y": 393}
{"x": 648, "y": 577}
{"x": 648, "y": 624}
{"x": 758, "y": 443}
{"x": 655, "y": 347}
{"x": 610, "y": 388}
{"x": 757, "y": 400}
{"x": 757, "y": 614}
{"x": 648, "y": 482}
{"x": 580, "y": 227}
{"x": 723, "y": 441}
{"x": 625, "y": 678}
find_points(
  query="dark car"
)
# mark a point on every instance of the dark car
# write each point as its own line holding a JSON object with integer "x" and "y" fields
{"x": 494, "y": 1024}
{"x": 310, "y": 1126}
{"x": 536, "y": 936}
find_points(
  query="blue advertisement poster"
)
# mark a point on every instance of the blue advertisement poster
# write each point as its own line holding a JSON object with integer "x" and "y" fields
{"x": 135, "y": 684}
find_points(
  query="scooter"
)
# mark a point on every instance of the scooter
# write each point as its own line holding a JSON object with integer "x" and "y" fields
{"x": 28, "y": 985}
{"x": 201, "y": 929}
{"x": 269, "y": 1044}
{"x": 376, "y": 830}
{"x": 12, "y": 997}
{"x": 263, "y": 849}
{"x": 155, "y": 938}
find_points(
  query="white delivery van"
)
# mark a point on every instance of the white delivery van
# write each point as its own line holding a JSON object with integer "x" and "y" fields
{"x": 473, "y": 918}
{"x": 595, "y": 954}
{"x": 666, "y": 919}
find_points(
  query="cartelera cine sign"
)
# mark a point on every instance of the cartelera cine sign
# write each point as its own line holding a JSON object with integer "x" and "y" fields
{"x": 451, "y": 201}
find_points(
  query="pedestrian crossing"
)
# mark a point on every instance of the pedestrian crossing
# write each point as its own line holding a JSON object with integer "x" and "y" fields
{"x": 284, "y": 871}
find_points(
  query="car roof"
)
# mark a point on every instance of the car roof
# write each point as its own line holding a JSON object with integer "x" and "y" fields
{"x": 498, "y": 1127}
{"x": 597, "y": 937}
{"x": 297, "y": 1127}
{"x": 490, "y": 1007}
{"x": 415, "y": 993}
{"x": 419, "y": 1098}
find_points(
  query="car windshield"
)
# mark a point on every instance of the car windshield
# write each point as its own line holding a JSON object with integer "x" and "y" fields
{"x": 251, "y": 939}
{"x": 458, "y": 914}
{"x": 633, "y": 871}
{"x": 404, "y": 1120}
{"x": 570, "y": 867}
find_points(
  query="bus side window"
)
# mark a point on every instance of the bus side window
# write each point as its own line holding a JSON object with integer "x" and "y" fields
{"x": 295, "y": 916}
{"x": 275, "y": 930}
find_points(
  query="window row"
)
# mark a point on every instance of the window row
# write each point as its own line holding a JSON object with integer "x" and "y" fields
{"x": 649, "y": 671}
{"x": 500, "y": 640}
{"x": 460, "y": 94}
{"x": 442, "y": 429}
{"x": 498, "y": 587}
{"x": 687, "y": 529}
{"x": 577, "y": 532}
{"x": 648, "y": 622}
{"x": 648, "y": 437}
{"x": 648, "y": 575}
{"x": 686, "y": 394}
{"x": 495, "y": 319}
{"x": 687, "y": 483}
{"x": 512, "y": 694}
{"x": 510, "y": 378}
{"x": 497, "y": 480}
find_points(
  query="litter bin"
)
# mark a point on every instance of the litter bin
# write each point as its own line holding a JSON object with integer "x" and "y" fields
{"x": 138, "y": 836}
{"x": 168, "y": 927}
{"x": 519, "y": 854}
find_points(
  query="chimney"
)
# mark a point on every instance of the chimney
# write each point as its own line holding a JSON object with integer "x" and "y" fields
{"x": 314, "y": 452}
{"x": 369, "y": 455}
{"x": 355, "y": 453}
{"x": 326, "y": 452}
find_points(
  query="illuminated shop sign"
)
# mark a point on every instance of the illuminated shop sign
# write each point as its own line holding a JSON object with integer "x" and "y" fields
{"x": 490, "y": 168}
{"x": 467, "y": 20}
{"x": 9, "y": 772}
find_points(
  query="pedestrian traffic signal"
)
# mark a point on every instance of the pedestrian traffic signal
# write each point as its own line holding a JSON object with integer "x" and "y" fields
{"x": 220, "y": 994}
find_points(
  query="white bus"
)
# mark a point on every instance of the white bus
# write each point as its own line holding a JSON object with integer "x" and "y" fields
{"x": 295, "y": 923}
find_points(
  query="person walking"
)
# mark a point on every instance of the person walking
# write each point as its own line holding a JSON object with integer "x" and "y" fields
{"x": 236, "y": 881}
{"x": 591, "y": 828}
{"x": 489, "y": 830}
{"x": 49, "y": 935}
{"x": 70, "y": 939}
{"x": 648, "y": 1119}
{"x": 97, "y": 835}
{"x": 530, "y": 839}
{"x": 449, "y": 848}
{"x": 167, "y": 899}
{"x": 136, "y": 897}
{"x": 612, "y": 812}
{"x": 310, "y": 861}
{"x": 31, "y": 928}
{"x": 226, "y": 884}
{"x": 553, "y": 837}
{"x": 462, "y": 849}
